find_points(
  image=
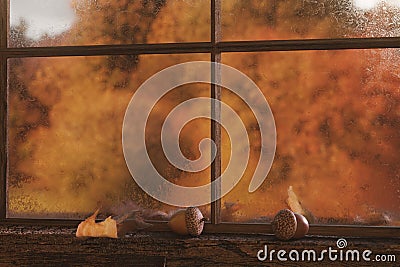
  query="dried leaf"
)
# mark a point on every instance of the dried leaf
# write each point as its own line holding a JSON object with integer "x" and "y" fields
{"x": 89, "y": 227}
{"x": 296, "y": 206}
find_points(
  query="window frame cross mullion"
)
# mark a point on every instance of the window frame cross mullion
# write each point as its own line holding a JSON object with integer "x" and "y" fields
{"x": 215, "y": 112}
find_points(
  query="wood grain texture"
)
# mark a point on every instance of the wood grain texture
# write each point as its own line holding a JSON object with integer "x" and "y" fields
{"x": 58, "y": 246}
{"x": 3, "y": 134}
{"x": 216, "y": 164}
{"x": 204, "y": 47}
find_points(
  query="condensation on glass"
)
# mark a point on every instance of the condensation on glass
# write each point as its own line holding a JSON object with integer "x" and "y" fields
{"x": 338, "y": 136}
{"x": 65, "y": 156}
{"x": 308, "y": 19}
{"x": 95, "y": 22}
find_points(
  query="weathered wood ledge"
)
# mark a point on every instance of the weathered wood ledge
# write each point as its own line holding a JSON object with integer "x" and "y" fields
{"x": 23, "y": 245}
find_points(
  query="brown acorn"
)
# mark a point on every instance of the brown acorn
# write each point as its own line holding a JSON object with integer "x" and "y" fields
{"x": 189, "y": 221}
{"x": 289, "y": 225}
{"x": 302, "y": 226}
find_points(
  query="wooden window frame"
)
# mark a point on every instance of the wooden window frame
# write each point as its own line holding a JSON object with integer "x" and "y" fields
{"x": 215, "y": 48}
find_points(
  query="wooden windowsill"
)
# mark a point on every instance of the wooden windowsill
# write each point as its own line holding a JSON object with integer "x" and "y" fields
{"x": 55, "y": 245}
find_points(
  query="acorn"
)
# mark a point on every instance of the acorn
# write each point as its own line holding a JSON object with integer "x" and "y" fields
{"x": 289, "y": 225}
{"x": 302, "y": 226}
{"x": 187, "y": 222}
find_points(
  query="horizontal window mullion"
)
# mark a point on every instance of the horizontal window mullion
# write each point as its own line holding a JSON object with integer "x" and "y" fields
{"x": 205, "y": 47}
{"x": 310, "y": 44}
{"x": 98, "y": 50}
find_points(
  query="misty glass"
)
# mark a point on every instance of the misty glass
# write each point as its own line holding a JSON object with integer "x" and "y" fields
{"x": 86, "y": 22}
{"x": 294, "y": 19}
{"x": 65, "y": 155}
{"x": 338, "y": 136}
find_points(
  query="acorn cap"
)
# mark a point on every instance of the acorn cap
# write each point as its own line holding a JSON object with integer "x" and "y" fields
{"x": 284, "y": 224}
{"x": 194, "y": 221}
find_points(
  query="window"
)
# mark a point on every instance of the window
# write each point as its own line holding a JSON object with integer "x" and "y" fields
{"x": 328, "y": 69}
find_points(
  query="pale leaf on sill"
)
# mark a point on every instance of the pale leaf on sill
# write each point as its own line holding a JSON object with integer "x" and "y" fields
{"x": 89, "y": 227}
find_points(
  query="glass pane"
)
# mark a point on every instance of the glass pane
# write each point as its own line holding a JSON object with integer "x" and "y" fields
{"x": 87, "y": 22}
{"x": 293, "y": 19}
{"x": 65, "y": 116}
{"x": 338, "y": 136}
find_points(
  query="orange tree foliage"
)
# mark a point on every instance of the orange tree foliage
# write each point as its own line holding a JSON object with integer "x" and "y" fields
{"x": 337, "y": 136}
{"x": 336, "y": 112}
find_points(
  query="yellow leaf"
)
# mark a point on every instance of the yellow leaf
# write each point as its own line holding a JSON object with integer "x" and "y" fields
{"x": 89, "y": 227}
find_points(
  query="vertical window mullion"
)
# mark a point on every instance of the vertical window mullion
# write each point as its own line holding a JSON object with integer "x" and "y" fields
{"x": 3, "y": 106}
{"x": 3, "y": 24}
{"x": 216, "y": 112}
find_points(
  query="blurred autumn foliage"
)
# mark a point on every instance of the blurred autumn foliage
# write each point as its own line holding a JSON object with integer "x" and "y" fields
{"x": 337, "y": 112}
